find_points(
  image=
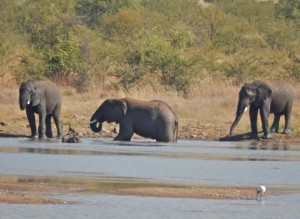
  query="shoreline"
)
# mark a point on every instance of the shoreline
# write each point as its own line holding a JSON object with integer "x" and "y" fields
{"x": 185, "y": 133}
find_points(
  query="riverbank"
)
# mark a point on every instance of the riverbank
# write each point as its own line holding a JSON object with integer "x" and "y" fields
{"x": 185, "y": 132}
{"x": 206, "y": 113}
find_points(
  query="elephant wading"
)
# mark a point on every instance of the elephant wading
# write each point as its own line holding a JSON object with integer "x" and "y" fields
{"x": 259, "y": 95}
{"x": 43, "y": 98}
{"x": 151, "y": 119}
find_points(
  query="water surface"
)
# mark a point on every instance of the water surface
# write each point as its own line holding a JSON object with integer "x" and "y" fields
{"x": 186, "y": 162}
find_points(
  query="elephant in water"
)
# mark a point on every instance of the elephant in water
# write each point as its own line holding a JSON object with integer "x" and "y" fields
{"x": 259, "y": 95}
{"x": 151, "y": 119}
{"x": 43, "y": 98}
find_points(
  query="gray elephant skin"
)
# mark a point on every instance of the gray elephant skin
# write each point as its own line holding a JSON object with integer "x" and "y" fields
{"x": 44, "y": 99}
{"x": 150, "y": 119}
{"x": 258, "y": 95}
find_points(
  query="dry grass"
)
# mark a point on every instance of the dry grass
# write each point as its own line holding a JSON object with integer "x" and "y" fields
{"x": 210, "y": 106}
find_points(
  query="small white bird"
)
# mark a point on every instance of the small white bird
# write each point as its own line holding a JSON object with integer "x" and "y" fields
{"x": 260, "y": 191}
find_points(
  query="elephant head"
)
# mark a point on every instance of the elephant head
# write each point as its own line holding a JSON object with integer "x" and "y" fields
{"x": 253, "y": 94}
{"x": 28, "y": 94}
{"x": 111, "y": 110}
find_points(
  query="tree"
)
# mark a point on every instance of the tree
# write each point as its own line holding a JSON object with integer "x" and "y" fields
{"x": 52, "y": 30}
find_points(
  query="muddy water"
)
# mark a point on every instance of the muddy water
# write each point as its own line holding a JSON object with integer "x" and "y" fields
{"x": 187, "y": 162}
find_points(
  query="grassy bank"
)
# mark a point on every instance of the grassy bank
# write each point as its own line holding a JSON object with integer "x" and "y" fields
{"x": 205, "y": 113}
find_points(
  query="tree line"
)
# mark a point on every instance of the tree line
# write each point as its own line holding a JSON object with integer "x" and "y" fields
{"x": 169, "y": 43}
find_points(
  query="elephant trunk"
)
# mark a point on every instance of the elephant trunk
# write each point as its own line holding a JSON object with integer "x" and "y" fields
{"x": 95, "y": 124}
{"x": 239, "y": 114}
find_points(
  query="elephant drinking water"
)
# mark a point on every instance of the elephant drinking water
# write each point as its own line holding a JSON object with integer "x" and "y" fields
{"x": 258, "y": 95}
{"x": 150, "y": 119}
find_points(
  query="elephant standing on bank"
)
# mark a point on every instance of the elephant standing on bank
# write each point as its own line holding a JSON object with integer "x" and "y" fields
{"x": 151, "y": 119}
{"x": 43, "y": 98}
{"x": 259, "y": 95}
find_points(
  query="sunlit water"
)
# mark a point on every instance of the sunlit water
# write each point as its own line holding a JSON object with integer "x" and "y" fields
{"x": 186, "y": 162}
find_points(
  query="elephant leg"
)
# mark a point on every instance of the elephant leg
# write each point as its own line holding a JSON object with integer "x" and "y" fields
{"x": 48, "y": 127}
{"x": 264, "y": 114}
{"x": 125, "y": 133}
{"x": 31, "y": 120}
{"x": 42, "y": 121}
{"x": 167, "y": 131}
{"x": 165, "y": 139}
{"x": 275, "y": 125}
{"x": 287, "y": 127}
{"x": 253, "y": 120}
{"x": 58, "y": 125}
{"x": 166, "y": 134}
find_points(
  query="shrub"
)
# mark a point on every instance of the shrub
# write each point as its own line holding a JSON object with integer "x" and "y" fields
{"x": 125, "y": 23}
{"x": 176, "y": 42}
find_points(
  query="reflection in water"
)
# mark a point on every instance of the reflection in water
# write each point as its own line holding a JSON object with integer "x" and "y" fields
{"x": 167, "y": 154}
{"x": 58, "y": 151}
{"x": 274, "y": 147}
{"x": 269, "y": 147}
{"x": 186, "y": 161}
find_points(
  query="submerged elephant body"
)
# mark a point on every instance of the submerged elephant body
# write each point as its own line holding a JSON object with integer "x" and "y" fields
{"x": 44, "y": 99}
{"x": 260, "y": 96}
{"x": 150, "y": 119}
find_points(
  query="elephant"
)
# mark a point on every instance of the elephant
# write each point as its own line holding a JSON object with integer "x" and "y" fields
{"x": 43, "y": 98}
{"x": 153, "y": 119}
{"x": 268, "y": 99}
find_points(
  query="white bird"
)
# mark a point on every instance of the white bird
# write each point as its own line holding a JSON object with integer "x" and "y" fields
{"x": 260, "y": 191}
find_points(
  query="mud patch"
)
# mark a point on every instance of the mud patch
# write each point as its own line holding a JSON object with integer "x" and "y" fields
{"x": 200, "y": 192}
{"x": 34, "y": 190}
{"x": 15, "y": 190}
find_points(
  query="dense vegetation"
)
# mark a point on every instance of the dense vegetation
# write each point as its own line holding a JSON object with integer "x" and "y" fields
{"x": 127, "y": 43}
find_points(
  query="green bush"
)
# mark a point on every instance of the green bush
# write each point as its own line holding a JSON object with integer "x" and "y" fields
{"x": 175, "y": 42}
{"x": 125, "y": 23}
{"x": 31, "y": 67}
{"x": 243, "y": 68}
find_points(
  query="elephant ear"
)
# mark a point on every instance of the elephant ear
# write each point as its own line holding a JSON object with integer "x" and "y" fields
{"x": 263, "y": 93}
{"x": 36, "y": 95}
{"x": 36, "y": 99}
{"x": 124, "y": 107}
{"x": 119, "y": 104}
{"x": 250, "y": 91}
{"x": 38, "y": 92}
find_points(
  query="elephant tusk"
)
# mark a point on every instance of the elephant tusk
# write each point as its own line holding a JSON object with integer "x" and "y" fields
{"x": 246, "y": 109}
{"x": 91, "y": 122}
{"x": 28, "y": 102}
